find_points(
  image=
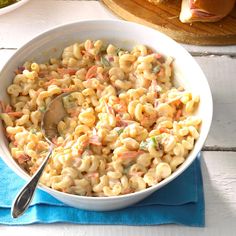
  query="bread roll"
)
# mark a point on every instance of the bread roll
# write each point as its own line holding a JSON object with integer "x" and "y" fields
{"x": 205, "y": 10}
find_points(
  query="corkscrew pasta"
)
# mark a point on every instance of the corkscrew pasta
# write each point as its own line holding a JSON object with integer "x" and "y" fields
{"x": 127, "y": 126}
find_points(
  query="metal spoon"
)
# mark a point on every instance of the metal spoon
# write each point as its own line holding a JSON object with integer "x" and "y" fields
{"x": 54, "y": 113}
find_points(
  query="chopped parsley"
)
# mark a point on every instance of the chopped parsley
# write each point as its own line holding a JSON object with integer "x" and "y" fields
{"x": 33, "y": 131}
{"x": 149, "y": 142}
{"x": 118, "y": 50}
{"x": 153, "y": 142}
{"x": 42, "y": 109}
{"x": 156, "y": 69}
{"x": 105, "y": 62}
{"x": 120, "y": 131}
{"x": 144, "y": 145}
{"x": 69, "y": 102}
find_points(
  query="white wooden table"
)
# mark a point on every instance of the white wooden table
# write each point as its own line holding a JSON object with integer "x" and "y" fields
{"x": 219, "y": 157}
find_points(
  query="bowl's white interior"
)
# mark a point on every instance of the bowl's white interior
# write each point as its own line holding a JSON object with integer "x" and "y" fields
{"x": 124, "y": 35}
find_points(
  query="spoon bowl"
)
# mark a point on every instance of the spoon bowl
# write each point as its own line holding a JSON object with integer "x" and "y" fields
{"x": 54, "y": 113}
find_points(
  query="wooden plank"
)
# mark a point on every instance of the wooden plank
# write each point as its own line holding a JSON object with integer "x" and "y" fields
{"x": 220, "y": 73}
{"x": 219, "y": 178}
{"x": 165, "y": 18}
{"x": 45, "y": 14}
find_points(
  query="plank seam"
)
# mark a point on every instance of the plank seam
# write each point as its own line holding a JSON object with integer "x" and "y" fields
{"x": 218, "y": 149}
{"x": 8, "y": 48}
{"x": 194, "y": 54}
{"x": 213, "y": 54}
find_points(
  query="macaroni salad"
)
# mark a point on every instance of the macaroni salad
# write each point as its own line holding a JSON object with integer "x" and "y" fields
{"x": 127, "y": 127}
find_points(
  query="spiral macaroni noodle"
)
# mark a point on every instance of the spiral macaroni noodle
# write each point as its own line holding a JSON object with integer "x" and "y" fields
{"x": 127, "y": 127}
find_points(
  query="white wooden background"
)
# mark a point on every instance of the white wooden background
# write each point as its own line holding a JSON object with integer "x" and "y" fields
{"x": 219, "y": 157}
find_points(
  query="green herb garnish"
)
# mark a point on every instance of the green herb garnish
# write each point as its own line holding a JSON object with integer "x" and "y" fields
{"x": 156, "y": 69}
{"x": 127, "y": 168}
{"x": 33, "y": 131}
{"x": 159, "y": 137}
{"x": 118, "y": 50}
{"x": 42, "y": 109}
{"x": 149, "y": 142}
{"x": 105, "y": 62}
{"x": 144, "y": 145}
{"x": 120, "y": 131}
{"x": 153, "y": 142}
{"x": 69, "y": 102}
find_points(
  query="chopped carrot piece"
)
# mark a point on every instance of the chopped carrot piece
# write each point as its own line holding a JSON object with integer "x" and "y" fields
{"x": 83, "y": 146}
{"x": 8, "y": 108}
{"x": 66, "y": 90}
{"x": 43, "y": 73}
{"x": 161, "y": 73}
{"x": 92, "y": 72}
{"x": 122, "y": 106}
{"x": 97, "y": 58}
{"x": 19, "y": 70}
{"x": 105, "y": 76}
{"x": 178, "y": 114}
{"x": 15, "y": 113}
{"x": 86, "y": 53}
{"x": 149, "y": 51}
{"x": 164, "y": 130}
{"x": 140, "y": 173}
{"x": 74, "y": 113}
{"x": 177, "y": 102}
{"x": 123, "y": 123}
{"x": 50, "y": 77}
{"x": 10, "y": 136}
{"x": 51, "y": 82}
{"x": 54, "y": 140}
{"x": 23, "y": 158}
{"x": 144, "y": 121}
{"x": 92, "y": 175}
{"x": 109, "y": 109}
{"x": 65, "y": 71}
{"x": 15, "y": 143}
{"x": 90, "y": 44}
{"x": 127, "y": 190}
{"x": 129, "y": 154}
{"x": 80, "y": 151}
{"x": 157, "y": 55}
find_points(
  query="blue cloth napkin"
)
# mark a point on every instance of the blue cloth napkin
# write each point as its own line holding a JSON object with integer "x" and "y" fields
{"x": 179, "y": 202}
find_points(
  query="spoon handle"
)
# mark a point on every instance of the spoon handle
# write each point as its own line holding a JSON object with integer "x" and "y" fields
{"x": 25, "y": 196}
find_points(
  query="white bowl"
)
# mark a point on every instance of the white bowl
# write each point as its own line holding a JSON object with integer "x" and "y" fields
{"x": 125, "y": 35}
{"x": 12, "y": 7}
